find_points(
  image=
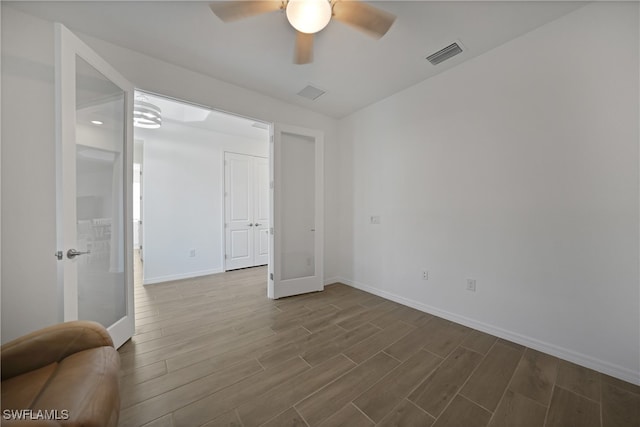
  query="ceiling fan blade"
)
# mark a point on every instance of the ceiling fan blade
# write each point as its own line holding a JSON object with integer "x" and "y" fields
{"x": 229, "y": 11}
{"x": 304, "y": 48}
{"x": 373, "y": 21}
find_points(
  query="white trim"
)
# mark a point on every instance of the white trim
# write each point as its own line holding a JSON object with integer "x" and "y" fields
{"x": 120, "y": 331}
{"x": 544, "y": 347}
{"x": 223, "y": 212}
{"x": 190, "y": 275}
{"x": 272, "y": 212}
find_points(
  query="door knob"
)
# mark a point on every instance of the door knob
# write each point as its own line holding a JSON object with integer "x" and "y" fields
{"x": 250, "y": 225}
{"x": 72, "y": 253}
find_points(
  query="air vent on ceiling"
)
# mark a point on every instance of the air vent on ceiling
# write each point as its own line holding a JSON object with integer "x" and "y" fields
{"x": 444, "y": 54}
{"x": 311, "y": 92}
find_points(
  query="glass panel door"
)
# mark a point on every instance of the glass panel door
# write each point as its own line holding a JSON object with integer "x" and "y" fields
{"x": 100, "y": 144}
{"x": 93, "y": 188}
{"x": 295, "y": 266}
{"x": 298, "y": 206}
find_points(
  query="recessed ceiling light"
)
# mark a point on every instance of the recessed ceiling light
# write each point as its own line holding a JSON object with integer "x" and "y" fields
{"x": 97, "y": 122}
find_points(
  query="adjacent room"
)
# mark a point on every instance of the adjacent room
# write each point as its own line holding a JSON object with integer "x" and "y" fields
{"x": 198, "y": 173}
{"x": 382, "y": 213}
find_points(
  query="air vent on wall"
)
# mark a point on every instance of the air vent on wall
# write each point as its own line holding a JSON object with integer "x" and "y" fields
{"x": 444, "y": 54}
{"x": 311, "y": 92}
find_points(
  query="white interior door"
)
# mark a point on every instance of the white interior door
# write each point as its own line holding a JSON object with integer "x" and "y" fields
{"x": 298, "y": 224}
{"x": 246, "y": 211}
{"x": 239, "y": 201}
{"x": 94, "y": 188}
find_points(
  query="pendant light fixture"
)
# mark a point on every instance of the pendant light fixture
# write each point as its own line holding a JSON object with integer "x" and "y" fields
{"x": 145, "y": 114}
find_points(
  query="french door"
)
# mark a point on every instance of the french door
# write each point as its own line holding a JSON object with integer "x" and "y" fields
{"x": 93, "y": 188}
{"x": 296, "y": 258}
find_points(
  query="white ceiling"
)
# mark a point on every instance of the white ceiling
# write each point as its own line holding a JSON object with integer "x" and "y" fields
{"x": 257, "y": 52}
{"x": 204, "y": 118}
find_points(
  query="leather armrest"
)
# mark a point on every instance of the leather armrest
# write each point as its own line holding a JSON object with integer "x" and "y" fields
{"x": 50, "y": 345}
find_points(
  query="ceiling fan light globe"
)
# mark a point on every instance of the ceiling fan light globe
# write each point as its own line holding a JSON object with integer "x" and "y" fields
{"x": 308, "y": 16}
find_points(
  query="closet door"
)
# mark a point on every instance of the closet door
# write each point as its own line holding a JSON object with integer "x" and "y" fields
{"x": 246, "y": 211}
{"x": 239, "y": 207}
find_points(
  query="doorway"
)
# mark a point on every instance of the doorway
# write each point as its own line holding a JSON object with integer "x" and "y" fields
{"x": 185, "y": 207}
{"x": 183, "y": 187}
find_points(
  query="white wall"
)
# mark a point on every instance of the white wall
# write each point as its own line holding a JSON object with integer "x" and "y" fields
{"x": 29, "y": 284}
{"x": 518, "y": 168}
{"x": 184, "y": 198}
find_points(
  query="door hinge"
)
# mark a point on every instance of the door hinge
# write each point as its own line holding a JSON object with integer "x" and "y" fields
{"x": 271, "y": 276}
{"x": 226, "y": 256}
{"x": 271, "y": 231}
{"x": 271, "y": 138}
{"x": 271, "y": 185}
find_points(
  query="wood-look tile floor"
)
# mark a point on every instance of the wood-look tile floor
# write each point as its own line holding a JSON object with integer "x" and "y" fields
{"x": 215, "y": 351}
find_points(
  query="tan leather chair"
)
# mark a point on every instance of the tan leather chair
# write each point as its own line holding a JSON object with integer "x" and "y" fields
{"x": 68, "y": 371}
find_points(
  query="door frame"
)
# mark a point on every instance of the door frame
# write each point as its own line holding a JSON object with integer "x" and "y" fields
{"x": 258, "y": 192}
{"x": 141, "y": 179}
{"x": 67, "y": 47}
{"x": 276, "y": 286}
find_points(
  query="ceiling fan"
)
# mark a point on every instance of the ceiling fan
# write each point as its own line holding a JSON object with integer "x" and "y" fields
{"x": 309, "y": 17}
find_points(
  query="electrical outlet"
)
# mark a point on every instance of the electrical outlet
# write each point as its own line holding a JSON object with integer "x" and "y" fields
{"x": 192, "y": 253}
{"x": 425, "y": 275}
{"x": 471, "y": 285}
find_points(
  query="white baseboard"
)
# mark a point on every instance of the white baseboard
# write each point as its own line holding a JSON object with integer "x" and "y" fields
{"x": 332, "y": 280}
{"x": 191, "y": 274}
{"x": 544, "y": 347}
